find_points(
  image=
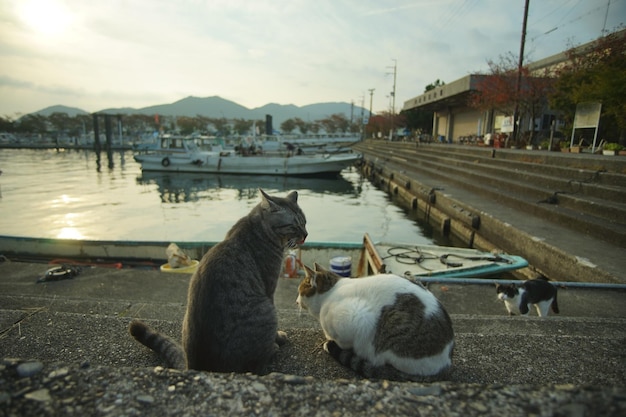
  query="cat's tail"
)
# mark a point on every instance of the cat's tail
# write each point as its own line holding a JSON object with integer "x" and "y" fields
{"x": 363, "y": 367}
{"x": 555, "y": 305}
{"x": 160, "y": 343}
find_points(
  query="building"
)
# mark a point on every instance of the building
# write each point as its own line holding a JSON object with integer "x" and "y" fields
{"x": 454, "y": 119}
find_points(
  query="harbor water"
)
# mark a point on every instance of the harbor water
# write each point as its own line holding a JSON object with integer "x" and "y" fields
{"x": 71, "y": 194}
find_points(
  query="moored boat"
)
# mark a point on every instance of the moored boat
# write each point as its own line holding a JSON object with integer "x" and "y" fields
{"x": 182, "y": 154}
{"x": 355, "y": 259}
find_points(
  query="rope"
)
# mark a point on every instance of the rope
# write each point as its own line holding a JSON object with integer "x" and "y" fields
{"x": 415, "y": 256}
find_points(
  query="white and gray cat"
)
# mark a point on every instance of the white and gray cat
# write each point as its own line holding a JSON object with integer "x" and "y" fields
{"x": 230, "y": 324}
{"x": 381, "y": 326}
{"x": 535, "y": 292}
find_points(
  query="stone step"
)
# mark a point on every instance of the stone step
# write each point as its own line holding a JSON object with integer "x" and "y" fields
{"x": 84, "y": 321}
{"x": 601, "y": 214}
{"x": 603, "y": 185}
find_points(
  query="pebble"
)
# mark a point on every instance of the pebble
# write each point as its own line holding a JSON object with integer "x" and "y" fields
{"x": 145, "y": 399}
{"x": 425, "y": 390}
{"x": 58, "y": 373}
{"x": 28, "y": 369}
{"x": 42, "y": 395}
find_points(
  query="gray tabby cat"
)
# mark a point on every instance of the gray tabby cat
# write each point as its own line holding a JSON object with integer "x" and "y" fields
{"x": 381, "y": 326}
{"x": 230, "y": 324}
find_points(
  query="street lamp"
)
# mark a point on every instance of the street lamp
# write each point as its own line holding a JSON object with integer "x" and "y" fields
{"x": 393, "y": 94}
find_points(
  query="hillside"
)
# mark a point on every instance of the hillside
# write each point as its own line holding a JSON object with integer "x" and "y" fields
{"x": 218, "y": 107}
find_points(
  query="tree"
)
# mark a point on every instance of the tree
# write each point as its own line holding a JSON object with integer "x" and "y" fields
{"x": 303, "y": 126}
{"x": 498, "y": 90}
{"x": 6, "y": 124}
{"x": 33, "y": 123}
{"x": 314, "y": 127}
{"x": 186, "y": 125}
{"x": 418, "y": 120}
{"x": 432, "y": 86}
{"x": 242, "y": 126}
{"x": 595, "y": 74}
{"x": 221, "y": 125}
{"x": 59, "y": 121}
{"x": 288, "y": 126}
{"x": 334, "y": 123}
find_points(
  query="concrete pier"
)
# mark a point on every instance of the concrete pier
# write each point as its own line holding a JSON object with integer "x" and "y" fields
{"x": 564, "y": 212}
{"x": 65, "y": 350}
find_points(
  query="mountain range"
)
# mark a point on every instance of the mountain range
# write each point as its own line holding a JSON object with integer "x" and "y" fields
{"x": 217, "y": 107}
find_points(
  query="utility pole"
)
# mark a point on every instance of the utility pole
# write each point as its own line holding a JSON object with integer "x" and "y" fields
{"x": 371, "y": 90}
{"x": 393, "y": 94}
{"x": 361, "y": 124}
{"x": 518, "y": 85}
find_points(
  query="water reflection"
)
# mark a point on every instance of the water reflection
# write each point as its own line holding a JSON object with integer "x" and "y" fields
{"x": 185, "y": 187}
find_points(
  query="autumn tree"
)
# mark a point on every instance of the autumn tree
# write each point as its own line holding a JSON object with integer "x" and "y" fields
{"x": 328, "y": 125}
{"x": 303, "y": 126}
{"x": 498, "y": 90}
{"x": 315, "y": 127}
{"x": 596, "y": 74}
{"x": 335, "y": 123}
{"x": 186, "y": 125}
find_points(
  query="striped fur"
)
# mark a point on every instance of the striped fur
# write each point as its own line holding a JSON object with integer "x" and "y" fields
{"x": 158, "y": 342}
{"x": 383, "y": 326}
{"x": 230, "y": 324}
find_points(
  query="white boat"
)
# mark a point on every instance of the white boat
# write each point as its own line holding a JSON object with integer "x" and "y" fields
{"x": 354, "y": 259}
{"x": 182, "y": 154}
{"x": 337, "y": 143}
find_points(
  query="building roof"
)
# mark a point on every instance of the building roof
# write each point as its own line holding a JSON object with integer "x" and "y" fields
{"x": 457, "y": 92}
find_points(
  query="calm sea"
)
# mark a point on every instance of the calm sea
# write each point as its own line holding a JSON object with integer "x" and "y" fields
{"x": 65, "y": 194}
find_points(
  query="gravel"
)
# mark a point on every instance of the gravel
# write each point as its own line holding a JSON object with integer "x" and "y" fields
{"x": 82, "y": 390}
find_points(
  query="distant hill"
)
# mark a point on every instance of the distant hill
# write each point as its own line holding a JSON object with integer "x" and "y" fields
{"x": 71, "y": 111}
{"x": 218, "y": 107}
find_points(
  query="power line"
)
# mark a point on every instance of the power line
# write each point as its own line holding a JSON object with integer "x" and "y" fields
{"x": 458, "y": 11}
{"x": 576, "y": 19}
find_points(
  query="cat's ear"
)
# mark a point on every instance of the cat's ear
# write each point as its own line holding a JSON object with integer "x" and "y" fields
{"x": 319, "y": 268}
{"x": 309, "y": 272}
{"x": 267, "y": 203}
{"x": 293, "y": 196}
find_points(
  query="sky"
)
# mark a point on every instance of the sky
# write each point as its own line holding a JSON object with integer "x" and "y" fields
{"x": 139, "y": 53}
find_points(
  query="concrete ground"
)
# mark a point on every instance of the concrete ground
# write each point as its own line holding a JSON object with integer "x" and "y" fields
{"x": 66, "y": 350}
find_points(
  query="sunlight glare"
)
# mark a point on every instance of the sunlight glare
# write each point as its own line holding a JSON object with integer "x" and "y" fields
{"x": 47, "y": 17}
{"x": 70, "y": 233}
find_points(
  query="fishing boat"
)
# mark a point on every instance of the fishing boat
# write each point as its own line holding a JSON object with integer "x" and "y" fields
{"x": 350, "y": 259}
{"x": 419, "y": 261}
{"x": 182, "y": 186}
{"x": 182, "y": 154}
{"x": 307, "y": 144}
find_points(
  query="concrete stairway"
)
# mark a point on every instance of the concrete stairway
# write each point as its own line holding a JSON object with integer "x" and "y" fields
{"x": 584, "y": 192}
{"x": 565, "y": 213}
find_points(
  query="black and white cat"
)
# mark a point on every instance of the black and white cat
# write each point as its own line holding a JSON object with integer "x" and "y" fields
{"x": 381, "y": 326}
{"x": 538, "y": 292}
{"x": 231, "y": 324}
